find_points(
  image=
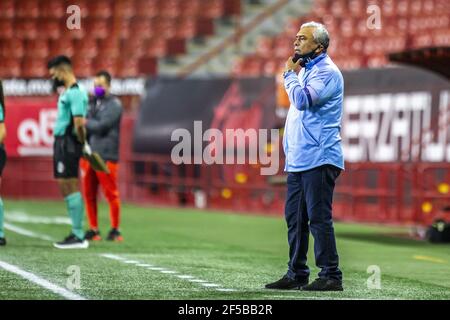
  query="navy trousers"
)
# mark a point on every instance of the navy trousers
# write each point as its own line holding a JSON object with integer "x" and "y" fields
{"x": 309, "y": 208}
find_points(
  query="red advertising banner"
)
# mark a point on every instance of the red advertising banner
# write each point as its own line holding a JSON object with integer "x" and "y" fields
{"x": 29, "y": 123}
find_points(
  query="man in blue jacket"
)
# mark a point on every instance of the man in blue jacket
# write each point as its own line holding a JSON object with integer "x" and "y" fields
{"x": 314, "y": 159}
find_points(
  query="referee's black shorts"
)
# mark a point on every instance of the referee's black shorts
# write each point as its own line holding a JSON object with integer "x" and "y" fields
{"x": 67, "y": 152}
{"x": 2, "y": 159}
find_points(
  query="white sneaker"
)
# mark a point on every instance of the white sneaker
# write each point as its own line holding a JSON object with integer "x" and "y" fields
{"x": 72, "y": 242}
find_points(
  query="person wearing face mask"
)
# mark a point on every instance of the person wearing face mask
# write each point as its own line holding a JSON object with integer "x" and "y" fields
{"x": 314, "y": 160}
{"x": 70, "y": 141}
{"x": 103, "y": 131}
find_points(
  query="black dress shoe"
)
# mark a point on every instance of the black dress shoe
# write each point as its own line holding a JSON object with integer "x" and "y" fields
{"x": 287, "y": 283}
{"x": 324, "y": 285}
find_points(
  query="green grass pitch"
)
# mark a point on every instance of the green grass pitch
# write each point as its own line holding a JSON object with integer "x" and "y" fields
{"x": 171, "y": 253}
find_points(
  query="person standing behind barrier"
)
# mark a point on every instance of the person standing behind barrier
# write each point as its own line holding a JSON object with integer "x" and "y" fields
{"x": 314, "y": 160}
{"x": 103, "y": 129}
{"x": 2, "y": 159}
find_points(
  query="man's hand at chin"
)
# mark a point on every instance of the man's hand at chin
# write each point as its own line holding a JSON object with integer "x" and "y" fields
{"x": 291, "y": 65}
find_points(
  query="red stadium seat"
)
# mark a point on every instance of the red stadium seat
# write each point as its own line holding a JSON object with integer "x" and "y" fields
{"x": 357, "y": 8}
{"x": 148, "y": 66}
{"x": 34, "y": 68}
{"x": 320, "y": 8}
{"x": 10, "y": 68}
{"x": 176, "y": 46}
{"x": 99, "y": 28}
{"x": 37, "y": 48}
{"x": 124, "y": 9}
{"x": 128, "y": 68}
{"x": 86, "y": 47}
{"x": 53, "y": 9}
{"x": 6, "y": 29}
{"x": 347, "y": 28}
{"x": 170, "y": 8}
{"x": 232, "y": 7}
{"x": 377, "y": 60}
{"x": 107, "y": 63}
{"x": 7, "y": 9}
{"x": 264, "y": 47}
{"x": 26, "y": 29}
{"x": 142, "y": 27}
{"x": 63, "y": 46}
{"x": 100, "y": 9}
{"x": 389, "y": 8}
{"x": 441, "y": 38}
{"x": 271, "y": 67}
{"x": 165, "y": 27}
{"x": 254, "y": 66}
{"x": 49, "y": 29}
{"x": 109, "y": 47}
{"x": 331, "y": 22}
{"x": 156, "y": 47}
{"x": 147, "y": 8}
{"x": 284, "y": 46}
{"x": 14, "y": 48}
{"x": 186, "y": 27}
{"x": 121, "y": 28}
{"x": 339, "y": 8}
{"x": 415, "y": 7}
{"x": 82, "y": 66}
{"x": 292, "y": 26}
{"x": 133, "y": 48}
{"x": 349, "y": 62}
{"x": 205, "y": 26}
{"x": 429, "y": 7}
{"x": 251, "y": 66}
{"x": 190, "y": 8}
{"x": 402, "y": 8}
{"x": 27, "y": 9}
{"x": 212, "y": 9}
{"x": 238, "y": 67}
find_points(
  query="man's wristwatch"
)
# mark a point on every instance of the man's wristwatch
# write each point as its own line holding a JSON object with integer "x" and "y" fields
{"x": 287, "y": 71}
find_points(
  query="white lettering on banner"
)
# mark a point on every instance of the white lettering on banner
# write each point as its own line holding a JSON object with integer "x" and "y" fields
{"x": 35, "y": 136}
{"x": 396, "y": 127}
{"x": 43, "y": 87}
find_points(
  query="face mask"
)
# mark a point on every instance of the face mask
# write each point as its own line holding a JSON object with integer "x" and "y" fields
{"x": 57, "y": 83}
{"x": 99, "y": 92}
{"x": 305, "y": 57}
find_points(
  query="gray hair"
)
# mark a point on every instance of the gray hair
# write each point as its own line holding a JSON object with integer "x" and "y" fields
{"x": 320, "y": 33}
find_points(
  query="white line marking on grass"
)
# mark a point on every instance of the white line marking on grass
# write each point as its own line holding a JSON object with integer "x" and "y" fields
{"x": 197, "y": 280}
{"x": 27, "y": 233}
{"x": 209, "y": 285}
{"x": 41, "y": 282}
{"x": 189, "y": 278}
{"x": 156, "y": 269}
{"x": 183, "y": 276}
{"x": 226, "y": 290}
{"x": 112, "y": 256}
{"x": 22, "y": 216}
